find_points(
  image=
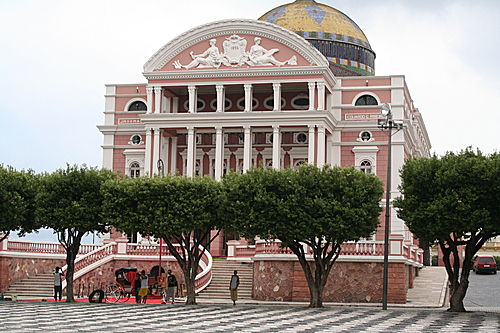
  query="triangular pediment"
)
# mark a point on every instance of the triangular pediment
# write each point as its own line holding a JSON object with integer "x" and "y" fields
{"x": 235, "y": 44}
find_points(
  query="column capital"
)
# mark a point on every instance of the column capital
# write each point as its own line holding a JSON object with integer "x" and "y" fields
{"x": 158, "y": 90}
{"x": 321, "y": 84}
{"x": 156, "y": 129}
{"x": 149, "y": 89}
{"x": 321, "y": 128}
{"x": 247, "y": 127}
{"x": 247, "y": 86}
{"x": 276, "y": 128}
{"x": 311, "y": 127}
{"x": 190, "y": 129}
{"x": 219, "y": 87}
{"x": 148, "y": 130}
{"x": 218, "y": 129}
{"x": 311, "y": 85}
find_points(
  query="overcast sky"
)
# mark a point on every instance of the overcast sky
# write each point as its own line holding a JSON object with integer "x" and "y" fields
{"x": 57, "y": 55}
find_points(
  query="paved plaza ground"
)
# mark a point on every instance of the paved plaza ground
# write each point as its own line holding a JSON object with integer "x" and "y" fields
{"x": 25, "y": 316}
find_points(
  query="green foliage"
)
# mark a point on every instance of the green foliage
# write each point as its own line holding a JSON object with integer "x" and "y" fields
{"x": 162, "y": 205}
{"x": 458, "y": 193}
{"x": 71, "y": 199}
{"x": 334, "y": 204}
{"x": 17, "y": 201}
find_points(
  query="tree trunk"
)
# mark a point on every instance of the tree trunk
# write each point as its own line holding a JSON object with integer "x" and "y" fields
{"x": 457, "y": 297}
{"x": 70, "y": 261}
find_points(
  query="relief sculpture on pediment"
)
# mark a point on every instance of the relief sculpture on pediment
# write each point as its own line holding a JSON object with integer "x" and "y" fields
{"x": 235, "y": 55}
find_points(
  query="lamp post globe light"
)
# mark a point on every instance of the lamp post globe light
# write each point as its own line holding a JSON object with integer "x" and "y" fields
{"x": 388, "y": 124}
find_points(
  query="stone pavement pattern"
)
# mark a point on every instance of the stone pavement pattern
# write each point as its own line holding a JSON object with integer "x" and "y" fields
{"x": 26, "y": 316}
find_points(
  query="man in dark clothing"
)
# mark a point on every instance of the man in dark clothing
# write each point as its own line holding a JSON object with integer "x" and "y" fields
{"x": 171, "y": 284}
{"x": 233, "y": 287}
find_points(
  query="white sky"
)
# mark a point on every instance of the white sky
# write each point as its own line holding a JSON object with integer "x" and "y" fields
{"x": 57, "y": 55}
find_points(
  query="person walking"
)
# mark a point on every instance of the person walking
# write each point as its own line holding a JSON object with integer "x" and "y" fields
{"x": 143, "y": 292}
{"x": 137, "y": 287}
{"x": 171, "y": 284}
{"x": 233, "y": 287}
{"x": 57, "y": 284}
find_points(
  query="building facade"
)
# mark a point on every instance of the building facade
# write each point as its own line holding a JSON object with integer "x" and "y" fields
{"x": 296, "y": 86}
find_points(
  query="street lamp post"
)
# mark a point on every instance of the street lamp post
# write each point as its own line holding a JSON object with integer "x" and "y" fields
{"x": 389, "y": 124}
{"x": 161, "y": 167}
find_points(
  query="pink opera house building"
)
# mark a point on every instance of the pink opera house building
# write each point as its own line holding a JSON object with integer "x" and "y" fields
{"x": 296, "y": 86}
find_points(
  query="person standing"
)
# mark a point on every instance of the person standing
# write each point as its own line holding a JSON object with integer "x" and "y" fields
{"x": 57, "y": 284}
{"x": 171, "y": 284}
{"x": 137, "y": 287}
{"x": 143, "y": 292}
{"x": 233, "y": 287}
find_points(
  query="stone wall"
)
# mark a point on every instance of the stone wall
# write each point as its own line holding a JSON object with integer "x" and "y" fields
{"x": 14, "y": 269}
{"x": 349, "y": 282}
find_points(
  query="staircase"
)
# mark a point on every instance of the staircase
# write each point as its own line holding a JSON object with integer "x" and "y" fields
{"x": 40, "y": 286}
{"x": 222, "y": 270}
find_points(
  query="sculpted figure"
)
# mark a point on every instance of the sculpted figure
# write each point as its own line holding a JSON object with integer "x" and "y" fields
{"x": 259, "y": 56}
{"x": 210, "y": 58}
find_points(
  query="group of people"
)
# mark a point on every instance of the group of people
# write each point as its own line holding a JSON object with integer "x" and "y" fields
{"x": 141, "y": 287}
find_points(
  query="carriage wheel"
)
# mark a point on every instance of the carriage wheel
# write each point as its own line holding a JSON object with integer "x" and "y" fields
{"x": 113, "y": 293}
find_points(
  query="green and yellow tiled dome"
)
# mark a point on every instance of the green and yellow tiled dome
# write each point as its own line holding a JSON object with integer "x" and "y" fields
{"x": 332, "y": 32}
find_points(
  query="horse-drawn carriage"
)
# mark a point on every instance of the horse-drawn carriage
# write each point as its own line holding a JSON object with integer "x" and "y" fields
{"x": 123, "y": 289}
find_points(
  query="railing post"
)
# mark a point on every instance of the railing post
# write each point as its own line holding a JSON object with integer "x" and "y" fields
{"x": 231, "y": 248}
{"x": 396, "y": 242}
{"x": 121, "y": 245}
{"x": 4, "y": 245}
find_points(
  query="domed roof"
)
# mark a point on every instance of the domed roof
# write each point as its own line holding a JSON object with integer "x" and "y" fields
{"x": 320, "y": 24}
{"x": 310, "y": 16}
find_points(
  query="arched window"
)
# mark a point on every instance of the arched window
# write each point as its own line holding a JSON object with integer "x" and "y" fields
{"x": 366, "y": 100}
{"x": 138, "y": 106}
{"x": 135, "y": 170}
{"x": 366, "y": 166}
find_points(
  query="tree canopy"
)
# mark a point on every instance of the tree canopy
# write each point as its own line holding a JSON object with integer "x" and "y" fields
{"x": 320, "y": 207}
{"x": 453, "y": 201}
{"x": 179, "y": 210}
{"x": 70, "y": 202}
{"x": 17, "y": 201}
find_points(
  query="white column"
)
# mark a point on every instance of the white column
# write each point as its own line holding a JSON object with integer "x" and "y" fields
{"x": 175, "y": 104}
{"x": 329, "y": 149}
{"x": 193, "y": 99}
{"x": 149, "y": 91}
{"x": 321, "y": 146}
{"x": 221, "y": 103}
{"x": 156, "y": 150}
{"x": 276, "y": 147}
{"x": 248, "y": 97}
{"x": 190, "y": 152}
{"x": 311, "y": 86}
{"x": 247, "y": 149}
{"x": 173, "y": 161}
{"x": 147, "y": 157}
{"x": 158, "y": 98}
{"x": 219, "y": 152}
{"x": 321, "y": 95}
{"x": 277, "y": 96}
{"x": 165, "y": 153}
{"x": 312, "y": 145}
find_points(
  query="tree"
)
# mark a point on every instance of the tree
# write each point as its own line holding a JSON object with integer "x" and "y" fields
{"x": 322, "y": 208}
{"x": 452, "y": 201}
{"x": 17, "y": 201}
{"x": 70, "y": 202}
{"x": 179, "y": 210}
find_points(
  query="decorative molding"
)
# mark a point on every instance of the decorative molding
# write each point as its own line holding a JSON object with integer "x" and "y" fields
{"x": 233, "y": 27}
